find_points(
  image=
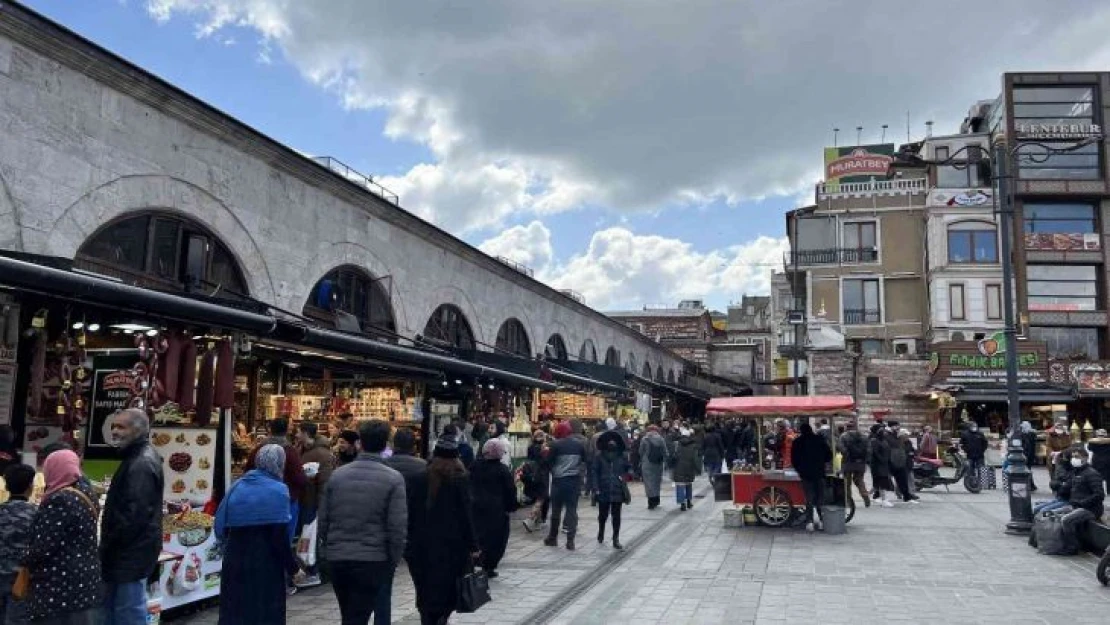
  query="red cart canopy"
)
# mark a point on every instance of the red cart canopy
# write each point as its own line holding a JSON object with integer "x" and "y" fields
{"x": 805, "y": 405}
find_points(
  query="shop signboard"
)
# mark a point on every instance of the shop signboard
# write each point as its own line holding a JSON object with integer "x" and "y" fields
{"x": 984, "y": 361}
{"x": 1057, "y": 132}
{"x": 1063, "y": 242}
{"x": 857, "y": 163}
{"x": 111, "y": 392}
{"x": 1090, "y": 377}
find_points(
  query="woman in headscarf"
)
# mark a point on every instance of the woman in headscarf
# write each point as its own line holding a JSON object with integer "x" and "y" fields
{"x": 446, "y": 545}
{"x": 610, "y": 466}
{"x": 493, "y": 498}
{"x": 63, "y": 558}
{"x": 252, "y": 522}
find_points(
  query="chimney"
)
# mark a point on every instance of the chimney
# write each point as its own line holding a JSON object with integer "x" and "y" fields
{"x": 928, "y": 129}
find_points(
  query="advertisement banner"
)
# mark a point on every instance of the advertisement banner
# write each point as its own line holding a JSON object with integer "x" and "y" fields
{"x": 984, "y": 361}
{"x": 857, "y": 163}
{"x": 1063, "y": 242}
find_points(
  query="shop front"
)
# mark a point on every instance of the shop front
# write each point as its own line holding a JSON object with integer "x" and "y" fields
{"x": 1091, "y": 378}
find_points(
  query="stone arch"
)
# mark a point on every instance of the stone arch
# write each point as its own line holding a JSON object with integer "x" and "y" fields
{"x": 147, "y": 192}
{"x": 612, "y": 357}
{"x": 514, "y": 338}
{"x": 11, "y": 226}
{"x": 457, "y": 297}
{"x": 449, "y": 325}
{"x": 670, "y": 377}
{"x": 556, "y": 348}
{"x": 646, "y": 372}
{"x": 330, "y": 256}
{"x": 588, "y": 351}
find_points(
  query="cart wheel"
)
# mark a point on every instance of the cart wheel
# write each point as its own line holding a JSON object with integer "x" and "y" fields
{"x": 850, "y": 513}
{"x": 773, "y": 507}
{"x": 1101, "y": 571}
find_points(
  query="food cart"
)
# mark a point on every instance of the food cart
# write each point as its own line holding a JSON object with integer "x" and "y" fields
{"x": 776, "y": 495}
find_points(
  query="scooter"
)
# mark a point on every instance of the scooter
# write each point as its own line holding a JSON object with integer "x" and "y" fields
{"x": 926, "y": 472}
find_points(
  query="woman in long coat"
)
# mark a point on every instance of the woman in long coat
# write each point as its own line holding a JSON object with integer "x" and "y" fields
{"x": 610, "y": 467}
{"x": 447, "y": 544}
{"x": 252, "y": 522}
{"x": 652, "y": 446}
{"x": 493, "y": 499}
{"x": 880, "y": 466}
{"x": 63, "y": 557}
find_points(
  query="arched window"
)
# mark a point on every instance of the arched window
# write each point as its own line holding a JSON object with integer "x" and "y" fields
{"x": 513, "y": 338}
{"x": 588, "y": 353}
{"x": 556, "y": 348}
{"x": 349, "y": 296}
{"x": 972, "y": 242}
{"x": 647, "y": 370}
{"x": 670, "y": 377}
{"x": 612, "y": 357}
{"x": 163, "y": 251}
{"x": 449, "y": 326}
{"x": 630, "y": 363}
{"x": 659, "y": 373}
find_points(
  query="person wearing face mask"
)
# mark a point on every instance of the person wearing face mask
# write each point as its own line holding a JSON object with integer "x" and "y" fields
{"x": 1085, "y": 495}
{"x": 1061, "y": 480}
{"x": 974, "y": 444}
{"x": 1029, "y": 449}
{"x": 1059, "y": 439}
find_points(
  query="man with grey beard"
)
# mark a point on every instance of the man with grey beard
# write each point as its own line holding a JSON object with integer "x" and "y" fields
{"x": 131, "y": 530}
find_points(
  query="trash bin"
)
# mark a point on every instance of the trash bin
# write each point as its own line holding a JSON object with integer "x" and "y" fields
{"x": 734, "y": 517}
{"x": 833, "y": 518}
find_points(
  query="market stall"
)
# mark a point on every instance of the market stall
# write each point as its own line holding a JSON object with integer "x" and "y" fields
{"x": 775, "y": 494}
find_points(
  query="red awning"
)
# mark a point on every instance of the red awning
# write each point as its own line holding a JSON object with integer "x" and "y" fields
{"x": 805, "y": 405}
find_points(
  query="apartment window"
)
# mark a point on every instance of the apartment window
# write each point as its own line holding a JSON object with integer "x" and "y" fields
{"x": 1060, "y": 227}
{"x": 941, "y": 153}
{"x": 861, "y": 302}
{"x": 871, "y": 346}
{"x": 1056, "y": 106}
{"x": 972, "y": 242}
{"x": 1068, "y": 343}
{"x": 958, "y": 175}
{"x": 994, "y": 301}
{"x": 860, "y": 241}
{"x": 871, "y": 385}
{"x": 957, "y": 311}
{"x": 1063, "y": 287}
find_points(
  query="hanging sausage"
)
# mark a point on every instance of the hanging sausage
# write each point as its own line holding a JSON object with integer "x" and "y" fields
{"x": 225, "y": 375}
{"x": 206, "y": 388}
{"x": 187, "y": 381}
{"x": 169, "y": 372}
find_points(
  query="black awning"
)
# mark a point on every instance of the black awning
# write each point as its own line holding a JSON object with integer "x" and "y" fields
{"x": 362, "y": 346}
{"x": 1037, "y": 395}
{"x": 97, "y": 291}
{"x": 572, "y": 378}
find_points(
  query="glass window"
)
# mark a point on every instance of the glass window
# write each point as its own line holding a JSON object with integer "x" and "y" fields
{"x": 994, "y": 301}
{"x": 1059, "y": 218}
{"x": 861, "y": 302}
{"x": 956, "y": 308}
{"x": 164, "y": 253}
{"x": 1057, "y": 106}
{"x": 512, "y": 338}
{"x": 859, "y": 235}
{"x": 1077, "y": 163}
{"x": 1068, "y": 343}
{"x": 972, "y": 246}
{"x": 941, "y": 153}
{"x": 1052, "y": 94}
{"x": 448, "y": 325}
{"x": 1062, "y": 287}
{"x": 958, "y": 176}
{"x": 871, "y": 385}
{"x": 122, "y": 244}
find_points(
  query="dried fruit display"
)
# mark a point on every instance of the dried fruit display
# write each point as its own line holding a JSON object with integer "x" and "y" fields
{"x": 180, "y": 461}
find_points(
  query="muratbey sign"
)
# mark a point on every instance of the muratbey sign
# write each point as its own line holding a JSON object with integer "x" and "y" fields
{"x": 858, "y": 163}
{"x": 984, "y": 361}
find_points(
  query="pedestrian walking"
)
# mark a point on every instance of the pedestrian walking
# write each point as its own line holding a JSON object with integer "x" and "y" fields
{"x": 16, "y": 515}
{"x": 611, "y": 468}
{"x": 448, "y": 545}
{"x": 591, "y": 451}
{"x": 811, "y": 452}
{"x": 466, "y": 452}
{"x": 362, "y": 528}
{"x": 879, "y": 461}
{"x": 728, "y": 437}
{"x": 415, "y": 473}
{"x": 63, "y": 558}
{"x": 537, "y": 482}
{"x": 346, "y": 447}
{"x": 712, "y": 451}
{"x": 653, "y": 459}
{"x": 565, "y": 458}
{"x": 854, "y": 450}
{"x": 131, "y": 529}
{"x": 974, "y": 444}
{"x": 685, "y": 469}
{"x": 252, "y": 524}
{"x": 900, "y": 462}
{"x": 313, "y": 449}
{"x": 928, "y": 445}
{"x": 493, "y": 499}
{"x": 292, "y": 473}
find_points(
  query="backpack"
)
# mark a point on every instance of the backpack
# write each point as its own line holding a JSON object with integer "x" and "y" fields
{"x": 656, "y": 453}
{"x": 855, "y": 447}
{"x": 528, "y": 471}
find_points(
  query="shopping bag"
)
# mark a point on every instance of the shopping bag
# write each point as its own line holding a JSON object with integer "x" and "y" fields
{"x": 306, "y": 545}
{"x": 1050, "y": 535}
{"x": 987, "y": 477}
{"x": 473, "y": 591}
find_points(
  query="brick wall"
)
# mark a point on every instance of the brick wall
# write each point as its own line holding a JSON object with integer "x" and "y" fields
{"x": 831, "y": 374}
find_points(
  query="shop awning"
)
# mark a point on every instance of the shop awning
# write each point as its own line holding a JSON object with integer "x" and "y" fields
{"x": 805, "y": 405}
{"x": 352, "y": 344}
{"x": 96, "y": 291}
{"x": 580, "y": 380}
{"x": 1037, "y": 395}
{"x": 671, "y": 388}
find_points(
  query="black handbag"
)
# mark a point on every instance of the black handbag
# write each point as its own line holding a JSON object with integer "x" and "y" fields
{"x": 473, "y": 591}
{"x": 625, "y": 493}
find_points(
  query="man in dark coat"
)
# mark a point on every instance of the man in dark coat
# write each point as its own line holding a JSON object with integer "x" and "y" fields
{"x": 879, "y": 461}
{"x": 415, "y": 472}
{"x": 1084, "y": 493}
{"x": 686, "y": 468}
{"x": 712, "y": 451}
{"x": 854, "y": 449}
{"x": 1029, "y": 449}
{"x": 131, "y": 528}
{"x": 810, "y": 454}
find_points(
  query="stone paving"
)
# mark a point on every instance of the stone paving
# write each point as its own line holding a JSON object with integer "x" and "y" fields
{"x": 946, "y": 559}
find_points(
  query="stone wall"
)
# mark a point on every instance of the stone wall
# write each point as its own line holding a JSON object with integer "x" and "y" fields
{"x": 831, "y": 374}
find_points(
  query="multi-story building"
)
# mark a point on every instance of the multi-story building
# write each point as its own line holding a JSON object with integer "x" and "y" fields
{"x": 750, "y": 323}
{"x": 787, "y": 349}
{"x": 687, "y": 329}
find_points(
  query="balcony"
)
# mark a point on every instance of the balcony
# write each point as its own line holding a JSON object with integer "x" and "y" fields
{"x": 895, "y": 186}
{"x": 833, "y": 256}
{"x": 861, "y": 317}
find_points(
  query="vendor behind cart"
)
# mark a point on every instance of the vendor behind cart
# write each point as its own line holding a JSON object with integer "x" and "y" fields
{"x": 810, "y": 453}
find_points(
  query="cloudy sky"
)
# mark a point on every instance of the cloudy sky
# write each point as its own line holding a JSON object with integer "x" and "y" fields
{"x": 637, "y": 151}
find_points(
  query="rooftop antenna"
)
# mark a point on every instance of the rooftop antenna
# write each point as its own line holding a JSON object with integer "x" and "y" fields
{"x": 883, "y": 140}
{"x": 836, "y": 133}
{"x": 907, "y": 126}
{"x": 859, "y": 133}
{"x": 928, "y": 129}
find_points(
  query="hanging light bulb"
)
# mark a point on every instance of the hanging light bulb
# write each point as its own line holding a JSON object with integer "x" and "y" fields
{"x": 78, "y": 325}
{"x": 93, "y": 327}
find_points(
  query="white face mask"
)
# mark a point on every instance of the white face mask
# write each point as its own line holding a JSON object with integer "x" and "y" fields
{"x": 1077, "y": 462}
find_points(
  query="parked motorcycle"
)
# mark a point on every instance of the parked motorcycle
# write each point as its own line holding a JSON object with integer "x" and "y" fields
{"x": 926, "y": 472}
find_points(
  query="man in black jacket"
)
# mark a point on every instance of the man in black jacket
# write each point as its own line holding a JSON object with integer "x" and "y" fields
{"x": 974, "y": 443}
{"x": 415, "y": 472}
{"x": 809, "y": 454}
{"x": 131, "y": 529}
{"x": 1084, "y": 493}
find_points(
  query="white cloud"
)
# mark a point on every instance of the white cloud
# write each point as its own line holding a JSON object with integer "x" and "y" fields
{"x": 621, "y": 269}
{"x": 630, "y": 104}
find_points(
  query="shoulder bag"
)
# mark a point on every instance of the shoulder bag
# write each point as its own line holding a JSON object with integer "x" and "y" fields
{"x": 21, "y": 587}
{"x": 473, "y": 591}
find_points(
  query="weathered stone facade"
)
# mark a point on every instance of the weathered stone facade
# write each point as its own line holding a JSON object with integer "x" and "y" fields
{"x": 901, "y": 384}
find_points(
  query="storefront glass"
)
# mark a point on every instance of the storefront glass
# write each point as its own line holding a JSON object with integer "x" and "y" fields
{"x": 1068, "y": 343}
